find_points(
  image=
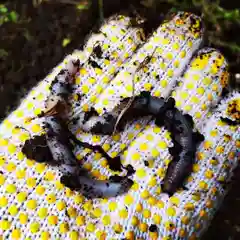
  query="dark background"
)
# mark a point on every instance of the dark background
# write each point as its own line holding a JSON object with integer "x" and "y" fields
{"x": 31, "y": 44}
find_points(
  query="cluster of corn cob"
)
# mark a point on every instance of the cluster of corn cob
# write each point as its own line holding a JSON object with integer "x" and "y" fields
{"x": 117, "y": 62}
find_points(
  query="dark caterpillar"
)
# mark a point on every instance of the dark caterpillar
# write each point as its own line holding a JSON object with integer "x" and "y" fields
{"x": 56, "y": 146}
{"x": 58, "y": 140}
{"x": 143, "y": 105}
{"x": 184, "y": 149}
{"x": 61, "y": 85}
{"x": 179, "y": 125}
{"x": 56, "y": 104}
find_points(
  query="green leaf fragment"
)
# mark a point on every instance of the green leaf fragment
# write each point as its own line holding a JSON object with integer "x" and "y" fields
{"x": 13, "y": 16}
{"x": 3, "y": 9}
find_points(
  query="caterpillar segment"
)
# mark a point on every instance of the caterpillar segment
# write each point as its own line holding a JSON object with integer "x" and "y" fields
{"x": 61, "y": 148}
{"x": 92, "y": 188}
{"x": 58, "y": 140}
{"x": 60, "y": 90}
{"x": 142, "y": 105}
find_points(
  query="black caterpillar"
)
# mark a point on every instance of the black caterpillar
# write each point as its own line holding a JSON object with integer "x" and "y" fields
{"x": 166, "y": 114}
{"x": 56, "y": 148}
